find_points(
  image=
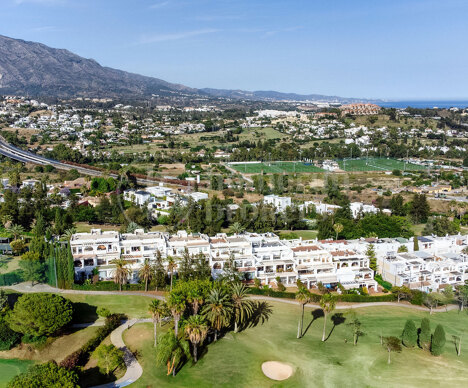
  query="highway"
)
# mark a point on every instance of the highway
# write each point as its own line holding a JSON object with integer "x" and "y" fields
{"x": 20, "y": 155}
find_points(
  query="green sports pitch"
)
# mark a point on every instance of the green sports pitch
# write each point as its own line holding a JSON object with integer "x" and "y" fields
{"x": 349, "y": 165}
{"x": 378, "y": 164}
{"x": 275, "y": 167}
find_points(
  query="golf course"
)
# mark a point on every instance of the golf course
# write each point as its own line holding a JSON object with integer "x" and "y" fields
{"x": 333, "y": 363}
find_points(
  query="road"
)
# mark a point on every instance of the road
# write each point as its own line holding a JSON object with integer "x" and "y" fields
{"x": 20, "y": 155}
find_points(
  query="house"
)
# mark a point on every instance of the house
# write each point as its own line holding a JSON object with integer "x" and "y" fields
{"x": 31, "y": 183}
{"x": 279, "y": 203}
{"x": 138, "y": 197}
{"x": 198, "y": 196}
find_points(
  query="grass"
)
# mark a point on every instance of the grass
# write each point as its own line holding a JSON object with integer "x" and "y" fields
{"x": 8, "y": 264}
{"x": 85, "y": 305}
{"x": 305, "y": 234}
{"x": 377, "y": 164}
{"x": 236, "y": 359}
{"x": 12, "y": 368}
{"x": 275, "y": 167}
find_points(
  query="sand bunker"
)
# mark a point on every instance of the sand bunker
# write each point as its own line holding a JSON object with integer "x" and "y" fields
{"x": 277, "y": 370}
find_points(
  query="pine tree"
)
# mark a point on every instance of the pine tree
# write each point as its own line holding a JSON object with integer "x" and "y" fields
{"x": 425, "y": 334}
{"x": 410, "y": 334}
{"x": 438, "y": 341}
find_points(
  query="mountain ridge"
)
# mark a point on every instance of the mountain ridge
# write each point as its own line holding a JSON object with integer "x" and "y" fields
{"x": 37, "y": 70}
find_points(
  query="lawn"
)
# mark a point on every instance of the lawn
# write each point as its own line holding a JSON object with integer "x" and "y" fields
{"x": 305, "y": 234}
{"x": 8, "y": 263}
{"x": 377, "y": 164}
{"x": 11, "y": 368}
{"x": 85, "y": 305}
{"x": 236, "y": 359}
{"x": 275, "y": 167}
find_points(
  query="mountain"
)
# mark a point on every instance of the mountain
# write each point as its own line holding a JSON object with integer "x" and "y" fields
{"x": 275, "y": 96}
{"x": 34, "y": 69}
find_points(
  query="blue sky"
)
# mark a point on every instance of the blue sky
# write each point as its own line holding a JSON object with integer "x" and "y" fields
{"x": 405, "y": 49}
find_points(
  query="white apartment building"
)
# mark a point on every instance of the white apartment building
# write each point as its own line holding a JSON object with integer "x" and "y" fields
{"x": 263, "y": 256}
{"x": 280, "y": 203}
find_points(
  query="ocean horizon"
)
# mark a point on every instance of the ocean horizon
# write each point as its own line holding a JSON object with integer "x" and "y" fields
{"x": 425, "y": 104}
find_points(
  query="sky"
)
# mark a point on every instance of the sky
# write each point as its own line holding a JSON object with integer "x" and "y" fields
{"x": 390, "y": 49}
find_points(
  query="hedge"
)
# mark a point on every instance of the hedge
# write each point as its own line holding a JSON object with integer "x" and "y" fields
{"x": 383, "y": 283}
{"x": 8, "y": 279}
{"x": 108, "y": 286}
{"x": 81, "y": 356}
{"x": 316, "y": 297}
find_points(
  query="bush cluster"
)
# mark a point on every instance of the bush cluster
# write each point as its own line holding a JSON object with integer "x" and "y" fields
{"x": 81, "y": 356}
{"x": 8, "y": 337}
{"x": 108, "y": 286}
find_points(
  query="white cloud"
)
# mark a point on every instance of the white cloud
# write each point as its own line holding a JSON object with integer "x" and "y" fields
{"x": 40, "y": 2}
{"x": 145, "y": 39}
{"x": 161, "y": 4}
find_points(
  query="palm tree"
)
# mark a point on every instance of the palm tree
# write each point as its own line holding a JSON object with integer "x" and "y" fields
{"x": 236, "y": 228}
{"x": 171, "y": 351}
{"x": 241, "y": 306}
{"x": 338, "y": 228}
{"x": 303, "y": 296}
{"x": 69, "y": 233}
{"x": 121, "y": 272}
{"x": 176, "y": 304}
{"x": 157, "y": 309}
{"x": 218, "y": 309}
{"x": 16, "y": 231}
{"x": 195, "y": 298}
{"x": 327, "y": 303}
{"x": 196, "y": 330}
{"x": 146, "y": 272}
{"x": 171, "y": 266}
{"x": 7, "y": 220}
{"x": 132, "y": 226}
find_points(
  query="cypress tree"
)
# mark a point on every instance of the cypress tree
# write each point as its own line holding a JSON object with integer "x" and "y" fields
{"x": 438, "y": 341}
{"x": 425, "y": 334}
{"x": 410, "y": 334}
{"x": 415, "y": 243}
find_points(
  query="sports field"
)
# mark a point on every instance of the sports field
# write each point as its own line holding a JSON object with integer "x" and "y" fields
{"x": 350, "y": 165}
{"x": 377, "y": 164}
{"x": 275, "y": 167}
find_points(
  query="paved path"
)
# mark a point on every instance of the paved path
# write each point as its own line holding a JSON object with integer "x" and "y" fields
{"x": 359, "y": 305}
{"x": 134, "y": 369}
{"x": 26, "y": 288}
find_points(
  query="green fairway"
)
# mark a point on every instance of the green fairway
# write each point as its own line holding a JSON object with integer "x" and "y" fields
{"x": 236, "y": 359}
{"x": 275, "y": 167}
{"x": 85, "y": 305}
{"x": 377, "y": 164}
{"x": 11, "y": 368}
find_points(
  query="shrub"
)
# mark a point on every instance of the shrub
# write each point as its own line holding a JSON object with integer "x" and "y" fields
{"x": 417, "y": 297}
{"x": 438, "y": 341}
{"x": 40, "y": 314}
{"x": 103, "y": 312}
{"x": 425, "y": 334}
{"x": 386, "y": 285}
{"x": 8, "y": 337}
{"x": 80, "y": 357}
{"x": 410, "y": 334}
{"x": 45, "y": 376}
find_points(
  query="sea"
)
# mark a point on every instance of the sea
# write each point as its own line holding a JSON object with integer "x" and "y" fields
{"x": 424, "y": 104}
